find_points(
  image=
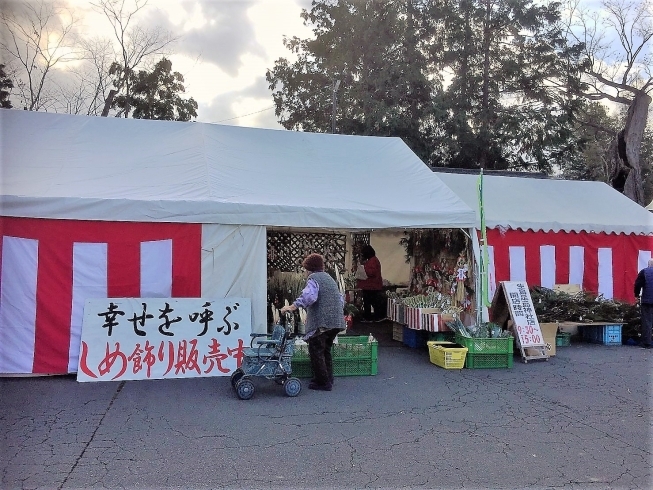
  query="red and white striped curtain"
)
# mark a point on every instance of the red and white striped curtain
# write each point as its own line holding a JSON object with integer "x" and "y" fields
{"x": 48, "y": 268}
{"x": 598, "y": 262}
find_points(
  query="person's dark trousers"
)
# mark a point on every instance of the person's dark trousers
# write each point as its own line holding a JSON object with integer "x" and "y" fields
{"x": 376, "y": 300}
{"x": 647, "y": 323}
{"x": 319, "y": 350}
{"x": 380, "y": 305}
{"x": 368, "y": 301}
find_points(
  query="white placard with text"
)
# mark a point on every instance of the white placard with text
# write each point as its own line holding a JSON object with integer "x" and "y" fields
{"x": 157, "y": 338}
{"x": 526, "y": 326}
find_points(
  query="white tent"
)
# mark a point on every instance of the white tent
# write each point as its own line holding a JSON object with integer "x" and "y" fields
{"x": 96, "y": 207}
{"x": 551, "y": 204}
{"x": 75, "y": 167}
{"x": 550, "y": 231}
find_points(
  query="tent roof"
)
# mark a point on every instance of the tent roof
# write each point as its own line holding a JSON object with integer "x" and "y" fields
{"x": 551, "y": 204}
{"x": 650, "y": 206}
{"x": 96, "y": 168}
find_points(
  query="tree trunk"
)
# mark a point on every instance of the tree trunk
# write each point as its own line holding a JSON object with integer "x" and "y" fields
{"x": 626, "y": 174}
{"x": 107, "y": 103}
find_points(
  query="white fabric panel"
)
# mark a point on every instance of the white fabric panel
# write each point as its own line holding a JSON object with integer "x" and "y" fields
{"x": 234, "y": 263}
{"x": 547, "y": 266}
{"x": 210, "y": 173}
{"x": 517, "y": 263}
{"x": 89, "y": 282}
{"x": 551, "y": 204}
{"x": 492, "y": 278}
{"x": 156, "y": 269}
{"x": 605, "y": 273}
{"x": 18, "y": 304}
{"x": 576, "y": 265}
{"x": 642, "y": 259}
{"x": 392, "y": 256}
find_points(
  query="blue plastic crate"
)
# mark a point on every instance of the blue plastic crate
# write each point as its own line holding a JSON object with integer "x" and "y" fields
{"x": 602, "y": 334}
{"x": 414, "y": 338}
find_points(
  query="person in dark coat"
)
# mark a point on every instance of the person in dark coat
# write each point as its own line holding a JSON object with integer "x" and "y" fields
{"x": 644, "y": 285}
{"x": 372, "y": 287}
{"x": 324, "y": 319}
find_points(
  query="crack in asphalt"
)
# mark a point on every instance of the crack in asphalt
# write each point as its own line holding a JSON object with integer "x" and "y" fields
{"x": 99, "y": 424}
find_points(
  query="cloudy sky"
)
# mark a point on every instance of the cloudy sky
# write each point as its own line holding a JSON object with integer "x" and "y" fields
{"x": 223, "y": 50}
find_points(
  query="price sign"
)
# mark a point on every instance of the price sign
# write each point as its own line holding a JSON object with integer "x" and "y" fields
{"x": 523, "y": 315}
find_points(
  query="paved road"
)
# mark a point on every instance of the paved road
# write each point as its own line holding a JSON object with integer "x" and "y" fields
{"x": 579, "y": 421}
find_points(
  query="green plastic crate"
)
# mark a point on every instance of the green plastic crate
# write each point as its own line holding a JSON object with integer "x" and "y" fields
{"x": 503, "y": 345}
{"x": 487, "y": 361}
{"x": 352, "y": 356}
{"x": 348, "y": 347}
{"x": 440, "y": 336}
{"x": 563, "y": 339}
{"x": 341, "y": 367}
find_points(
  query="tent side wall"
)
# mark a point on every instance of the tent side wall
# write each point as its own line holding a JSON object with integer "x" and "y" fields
{"x": 601, "y": 263}
{"x": 234, "y": 265}
{"x": 49, "y": 268}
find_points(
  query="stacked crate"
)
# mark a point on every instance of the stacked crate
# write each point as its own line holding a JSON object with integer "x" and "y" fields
{"x": 487, "y": 352}
{"x": 352, "y": 356}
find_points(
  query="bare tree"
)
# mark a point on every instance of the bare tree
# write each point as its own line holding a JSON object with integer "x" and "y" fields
{"x": 135, "y": 44}
{"x": 36, "y": 37}
{"x": 619, "y": 69}
{"x": 87, "y": 91}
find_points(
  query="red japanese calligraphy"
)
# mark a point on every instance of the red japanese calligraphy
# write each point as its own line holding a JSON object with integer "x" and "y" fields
{"x": 237, "y": 353}
{"x": 215, "y": 358}
{"x": 187, "y": 359}
{"x": 138, "y": 359}
{"x": 171, "y": 355}
{"x": 110, "y": 358}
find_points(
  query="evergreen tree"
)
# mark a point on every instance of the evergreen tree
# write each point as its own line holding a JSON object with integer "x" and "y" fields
{"x": 505, "y": 61}
{"x": 372, "y": 49}
{"x": 5, "y": 89}
{"x": 468, "y": 83}
{"x": 155, "y": 95}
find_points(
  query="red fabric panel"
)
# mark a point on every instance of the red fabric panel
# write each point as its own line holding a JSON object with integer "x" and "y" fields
{"x": 124, "y": 269}
{"x": 625, "y": 249}
{"x": 187, "y": 267}
{"x": 54, "y": 279}
{"x": 124, "y": 241}
{"x": 54, "y": 285}
{"x": 532, "y": 253}
{"x": 501, "y": 257}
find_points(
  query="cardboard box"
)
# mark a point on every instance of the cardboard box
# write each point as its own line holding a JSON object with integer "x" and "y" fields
{"x": 569, "y": 327}
{"x": 549, "y": 331}
{"x": 567, "y": 288}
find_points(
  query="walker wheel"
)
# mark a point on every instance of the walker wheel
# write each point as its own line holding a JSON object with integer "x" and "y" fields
{"x": 292, "y": 386}
{"x": 245, "y": 389}
{"x": 235, "y": 376}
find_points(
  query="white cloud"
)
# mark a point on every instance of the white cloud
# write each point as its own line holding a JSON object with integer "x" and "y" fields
{"x": 224, "y": 48}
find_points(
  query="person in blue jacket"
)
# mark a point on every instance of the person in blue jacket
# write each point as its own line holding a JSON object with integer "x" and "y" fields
{"x": 644, "y": 284}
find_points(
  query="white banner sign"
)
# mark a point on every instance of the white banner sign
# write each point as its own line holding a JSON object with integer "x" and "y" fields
{"x": 523, "y": 314}
{"x": 156, "y": 338}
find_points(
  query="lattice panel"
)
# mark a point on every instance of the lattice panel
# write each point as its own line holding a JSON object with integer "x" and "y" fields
{"x": 360, "y": 238}
{"x": 357, "y": 241}
{"x": 286, "y": 251}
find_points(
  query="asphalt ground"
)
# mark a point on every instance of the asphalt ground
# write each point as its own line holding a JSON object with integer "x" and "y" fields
{"x": 581, "y": 420}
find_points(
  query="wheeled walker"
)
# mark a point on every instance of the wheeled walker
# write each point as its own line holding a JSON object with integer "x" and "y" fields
{"x": 270, "y": 357}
